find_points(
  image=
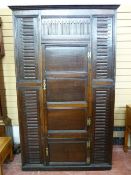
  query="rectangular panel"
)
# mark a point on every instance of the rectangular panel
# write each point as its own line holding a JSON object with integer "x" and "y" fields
{"x": 67, "y": 119}
{"x": 65, "y": 58}
{"x": 68, "y": 152}
{"x": 28, "y": 51}
{"x": 30, "y": 122}
{"x": 60, "y": 90}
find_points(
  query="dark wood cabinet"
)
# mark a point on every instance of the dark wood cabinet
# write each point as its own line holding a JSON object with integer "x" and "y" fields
{"x": 65, "y": 62}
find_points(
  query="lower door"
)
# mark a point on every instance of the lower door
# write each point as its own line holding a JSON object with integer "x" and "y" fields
{"x": 65, "y": 83}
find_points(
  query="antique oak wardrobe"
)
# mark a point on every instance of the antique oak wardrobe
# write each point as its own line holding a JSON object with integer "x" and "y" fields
{"x": 65, "y": 60}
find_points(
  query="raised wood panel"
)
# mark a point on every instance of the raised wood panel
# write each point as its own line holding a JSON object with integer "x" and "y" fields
{"x": 67, "y": 119}
{"x": 102, "y": 52}
{"x": 75, "y": 90}
{"x": 65, "y": 58}
{"x": 30, "y": 119}
{"x": 68, "y": 153}
{"x": 28, "y": 52}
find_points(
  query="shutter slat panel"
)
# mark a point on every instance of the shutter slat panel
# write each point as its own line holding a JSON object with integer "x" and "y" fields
{"x": 102, "y": 124}
{"x": 102, "y": 54}
{"x": 103, "y": 61}
{"x": 30, "y": 119}
{"x": 28, "y": 50}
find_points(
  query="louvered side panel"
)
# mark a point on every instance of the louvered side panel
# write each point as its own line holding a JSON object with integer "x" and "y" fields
{"x": 102, "y": 124}
{"x": 102, "y": 47}
{"x": 27, "y": 53}
{"x": 103, "y": 87}
{"x": 30, "y": 124}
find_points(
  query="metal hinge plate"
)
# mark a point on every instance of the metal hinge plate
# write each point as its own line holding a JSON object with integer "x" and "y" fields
{"x": 88, "y": 160}
{"x": 88, "y": 121}
{"x": 44, "y": 84}
{"x": 88, "y": 144}
{"x": 47, "y": 152}
{"x": 89, "y": 54}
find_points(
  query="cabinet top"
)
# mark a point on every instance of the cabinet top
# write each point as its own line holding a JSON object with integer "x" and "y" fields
{"x": 40, "y": 7}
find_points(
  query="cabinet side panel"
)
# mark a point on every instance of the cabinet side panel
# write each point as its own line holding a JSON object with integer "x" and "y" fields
{"x": 103, "y": 87}
{"x": 27, "y": 48}
{"x": 29, "y": 117}
{"x": 28, "y": 67}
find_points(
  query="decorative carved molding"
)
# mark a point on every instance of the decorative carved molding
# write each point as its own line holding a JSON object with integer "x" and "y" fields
{"x": 2, "y": 52}
{"x": 65, "y": 28}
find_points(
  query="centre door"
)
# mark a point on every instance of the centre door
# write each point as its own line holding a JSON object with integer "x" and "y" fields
{"x": 66, "y": 87}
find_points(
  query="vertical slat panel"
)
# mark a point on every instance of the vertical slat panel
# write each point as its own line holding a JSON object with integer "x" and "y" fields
{"x": 103, "y": 47}
{"x": 103, "y": 88}
{"x": 102, "y": 122}
{"x": 28, "y": 68}
{"x": 29, "y": 114}
{"x": 28, "y": 50}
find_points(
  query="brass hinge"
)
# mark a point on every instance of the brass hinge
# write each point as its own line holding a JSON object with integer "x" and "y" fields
{"x": 44, "y": 84}
{"x": 88, "y": 160}
{"x": 88, "y": 121}
{"x": 46, "y": 151}
{"x": 89, "y": 54}
{"x": 88, "y": 144}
